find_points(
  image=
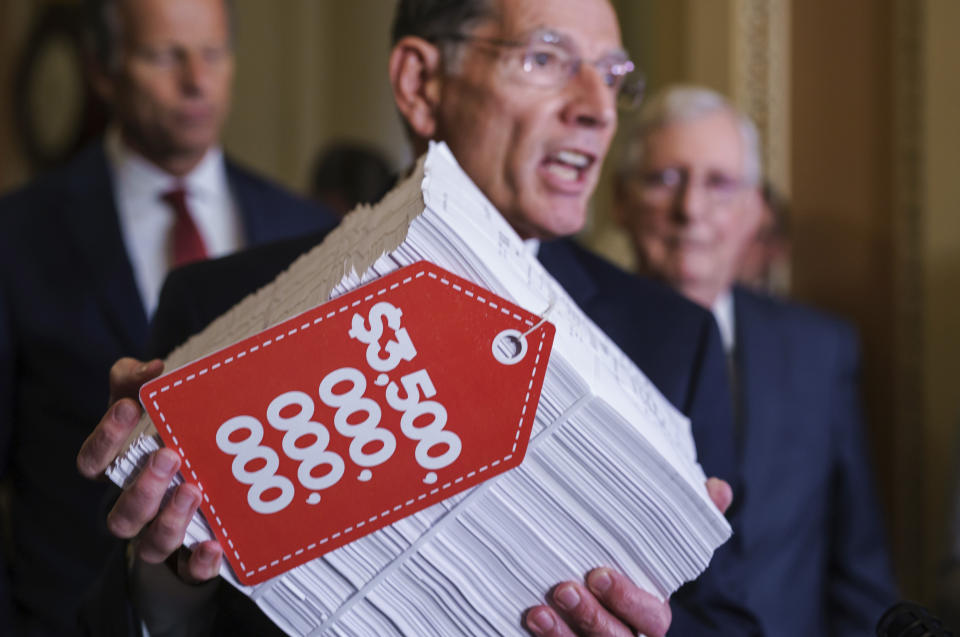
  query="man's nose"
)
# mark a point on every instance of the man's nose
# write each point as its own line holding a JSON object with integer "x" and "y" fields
{"x": 592, "y": 103}
{"x": 193, "y": 73}
{"x": 691, "y": 202}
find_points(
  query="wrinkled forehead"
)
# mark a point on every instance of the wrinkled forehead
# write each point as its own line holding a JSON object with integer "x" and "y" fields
{"x": 144, "y": 21}
{"x": 589, "y": 25}
{"x": 709, "y": 140}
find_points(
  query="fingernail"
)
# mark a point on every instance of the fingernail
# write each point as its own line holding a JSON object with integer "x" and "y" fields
{"x": 125, "y": 412}
{"x": 567, "y": 597}
{"x": 206, "y": 554}
{"x": 599, "y": 581}
{"x": 164, "y": 463}
{"x": 540, "y": 620}
{"x": 183, "y": 501}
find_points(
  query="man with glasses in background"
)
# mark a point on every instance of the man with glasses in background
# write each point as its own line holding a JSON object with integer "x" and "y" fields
{"x": 814, "y": 560}
{"x": 525, "y": 94}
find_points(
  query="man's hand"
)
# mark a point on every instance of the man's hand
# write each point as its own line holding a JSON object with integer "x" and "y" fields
{"x": 137, "y": 515}
{"x": 609, "y": 604}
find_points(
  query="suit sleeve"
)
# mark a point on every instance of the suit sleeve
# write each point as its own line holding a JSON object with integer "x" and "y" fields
{"x": 7, "y": 391}
{"x": 948, "y": 582}
{"x": 714, "y": 603}
{"x": 861, "y": 584}
{"x": 174, "y": 320}
{"x": 710, "y": 407}
{"x": 7, "y": 378}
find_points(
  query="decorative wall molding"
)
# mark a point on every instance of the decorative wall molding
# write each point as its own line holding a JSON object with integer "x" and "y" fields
{"x": 908, "y": 240}
{"x": 761, "y": 79}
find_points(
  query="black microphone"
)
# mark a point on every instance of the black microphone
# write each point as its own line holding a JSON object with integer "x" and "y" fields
{"x": 906, "y": 619}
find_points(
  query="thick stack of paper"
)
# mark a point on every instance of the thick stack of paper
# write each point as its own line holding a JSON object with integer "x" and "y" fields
{"x": 610, "y": 476}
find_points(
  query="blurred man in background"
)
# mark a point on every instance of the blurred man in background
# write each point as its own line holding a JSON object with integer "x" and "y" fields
{"x": 814, "y": 560}
{"x": 83, "y": 253}
{"x": 347, "y": 174}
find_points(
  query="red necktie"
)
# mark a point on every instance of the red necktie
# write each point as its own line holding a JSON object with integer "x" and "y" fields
{"x": 187, "y": 242}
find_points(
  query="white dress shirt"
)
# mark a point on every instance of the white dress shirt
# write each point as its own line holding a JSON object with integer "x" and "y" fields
{"x": 723, "y": 313}
{"x": 146, "y": 221}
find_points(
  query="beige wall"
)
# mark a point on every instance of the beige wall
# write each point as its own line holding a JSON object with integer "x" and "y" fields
{"x": 14, "y": 15}
{"x": 310, "y": 73}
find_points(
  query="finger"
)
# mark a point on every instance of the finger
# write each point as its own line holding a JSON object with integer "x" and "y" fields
{"x": 634, "y": 607}
{"x": 543, "y": 621}
{"x": 720, "y": 492}
{"x": 106, "y": 441}
{"x": 584, "y": 614}
{"x": 127, "y": 374}
{"x": 201, "y": 564}
{"x": 139, "y": 503}
{"x": 165, "y": 533}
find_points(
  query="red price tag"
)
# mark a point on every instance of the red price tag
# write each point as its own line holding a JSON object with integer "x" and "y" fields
{"x": 353, "y": 415}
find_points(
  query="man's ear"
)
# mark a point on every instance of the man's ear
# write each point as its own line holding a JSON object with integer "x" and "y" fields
{"x": 102, "y": 81}
{"x": 415, "y": 76}
{"x": 754, "y": 210}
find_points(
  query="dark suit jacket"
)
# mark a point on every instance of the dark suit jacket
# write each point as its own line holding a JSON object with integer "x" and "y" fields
{"x": 673, "y": 341}
{"x": 69, "y": 307}
{"x": 814, "y": 549}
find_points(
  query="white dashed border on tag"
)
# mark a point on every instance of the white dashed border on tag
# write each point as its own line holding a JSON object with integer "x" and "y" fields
{"x": 299, "y": 330}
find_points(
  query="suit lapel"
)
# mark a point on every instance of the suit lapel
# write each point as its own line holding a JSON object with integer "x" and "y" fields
{"x": 247, "y": 203}
{"x": 260, "y": 223}
{"x": 90, "y": 216}
{"x": 761, "y": 367}
{"x": 560, "y": 260}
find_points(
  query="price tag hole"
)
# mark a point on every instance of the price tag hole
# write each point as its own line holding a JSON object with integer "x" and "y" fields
{"x": 509, "y": 347}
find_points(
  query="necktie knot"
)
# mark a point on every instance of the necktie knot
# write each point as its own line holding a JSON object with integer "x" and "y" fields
{"x": 176, "y": 198}
{"x": 186, "y": 243}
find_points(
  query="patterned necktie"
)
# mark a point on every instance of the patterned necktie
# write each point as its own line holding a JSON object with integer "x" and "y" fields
{"x": 186, "y": 240}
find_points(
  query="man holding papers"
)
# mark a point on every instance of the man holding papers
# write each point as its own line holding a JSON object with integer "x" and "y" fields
{"x": 525, "y": 94}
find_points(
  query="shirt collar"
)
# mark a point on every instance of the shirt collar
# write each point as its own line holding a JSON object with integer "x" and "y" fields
{"x": 139, "y": 177}
{"x": 723, "y": 313}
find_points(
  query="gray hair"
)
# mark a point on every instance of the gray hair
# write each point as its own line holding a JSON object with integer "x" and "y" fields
{"x": 103, "y": 30}
{"x": 685, "y": 103}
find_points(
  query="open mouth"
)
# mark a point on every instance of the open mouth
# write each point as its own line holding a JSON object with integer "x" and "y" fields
{"x": 568, "y": 165}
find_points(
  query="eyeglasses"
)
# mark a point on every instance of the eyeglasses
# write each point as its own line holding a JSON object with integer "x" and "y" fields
{"x": 663, "y": 186}
{"x": 550, "y": 60}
